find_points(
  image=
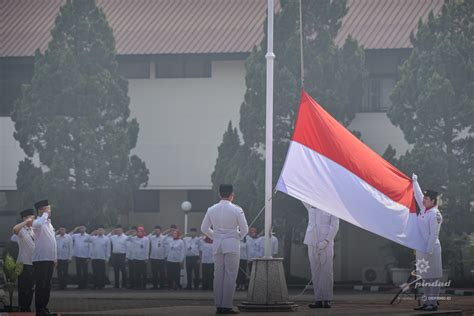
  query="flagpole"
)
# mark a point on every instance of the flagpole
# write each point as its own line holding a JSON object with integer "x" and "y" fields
{"x": 270, "y": 56}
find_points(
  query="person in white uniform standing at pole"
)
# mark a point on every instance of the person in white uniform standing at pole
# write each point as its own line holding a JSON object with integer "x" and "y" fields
{"x": 320, "y": 234}
{"x": 428, "y": 263}
{"x": 44, "y": 256}
{"x": 229, "y": 226}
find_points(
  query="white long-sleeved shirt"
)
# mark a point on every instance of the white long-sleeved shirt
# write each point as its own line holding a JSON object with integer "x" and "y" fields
{"x": 158, "y": 246}
{"x": 429, "y": 221}
{"x": 192, "y": 246}
{"x": 176, "y": 250}
{"x": 99, "y": 247}
{"x": 45, "y": 239}
{"x": 119, "y": 243}
{"x": 321, "y": 226}
{"x": 261, "y": 246}
{"x": 253, "y": 248}
{"x": 206, "y": 252}
{"x": 65, "y": 245}
{"x": 26, "y": 245}
{"x": 139, "y": 248}
{"x": 244, "y": 254}
{"x": 81, "y": 248}
{"x": 228, "y": 224}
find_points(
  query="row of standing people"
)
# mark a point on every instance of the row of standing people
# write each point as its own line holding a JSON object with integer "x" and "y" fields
{"x": 166, "y": 252}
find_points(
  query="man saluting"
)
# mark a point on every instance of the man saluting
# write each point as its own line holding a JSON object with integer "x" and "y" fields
{"x": 44, "y": 256}
{"x": 229, "y": 226}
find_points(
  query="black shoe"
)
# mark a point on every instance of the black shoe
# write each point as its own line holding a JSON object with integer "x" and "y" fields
{"x": 420, "y": 308}
{"x": 326, "y": 304}
{"x": 229, "y": 311}
{"x": 317, "y": 304}
{"x": 431, "y": 308}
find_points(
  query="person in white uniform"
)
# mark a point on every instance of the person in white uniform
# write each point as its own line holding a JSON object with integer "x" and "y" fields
{"x": 175, "y": 254}
{"x": 118, "y": 242}
{"x": 44, "y": 256}
{"x": 65, "y": 243}
{"x": 26, "y": 244}
{"x": 429, "y": 264}
{"x": 320, "y": 234}
{"x": 141, "y": 253}
{"x": 81, "y": 253}
{"x": 253, "y": 247}
{"x": 158, "y": 257}
{"x": 261, "y": 245}
{"x": 100, "y": 250}
{"x": 129, "y": 256}
{"x": 192, "y": 243}
{"x": 243, "y": 263}
{"x": 229, "y": 226}
{"x": 207, "y": 260}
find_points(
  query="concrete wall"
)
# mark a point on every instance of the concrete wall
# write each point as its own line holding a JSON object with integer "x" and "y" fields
{"x": 182, "y": 122}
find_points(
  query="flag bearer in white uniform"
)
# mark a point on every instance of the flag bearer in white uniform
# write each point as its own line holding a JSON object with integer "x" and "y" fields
{"x": 100, "y": 254}
{"x": 428, "y": 263}
{"x": 320, "y": 234}
{"x": 64, "y": 243}
{"x": 26, "y": 244}
{"x": 44, "y": 256}
{"x": 229, "y": 226}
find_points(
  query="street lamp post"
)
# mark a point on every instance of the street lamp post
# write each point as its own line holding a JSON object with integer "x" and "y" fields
{"x": 186, "y": 206}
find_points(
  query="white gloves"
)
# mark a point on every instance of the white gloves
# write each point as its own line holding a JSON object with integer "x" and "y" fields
{"x": 322, "y": 244}
{"x": 414, "y": 177}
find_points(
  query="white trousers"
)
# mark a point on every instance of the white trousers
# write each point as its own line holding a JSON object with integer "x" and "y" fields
{"x": 321, "y": 262}
{"x": 226, "y": 268}
{"x": 430, "y": 293}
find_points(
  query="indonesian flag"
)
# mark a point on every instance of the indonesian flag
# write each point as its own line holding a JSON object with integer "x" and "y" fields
{"x": 331, "y": 169}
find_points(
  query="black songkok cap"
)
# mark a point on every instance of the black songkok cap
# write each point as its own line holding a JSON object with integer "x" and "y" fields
{"x": 157, "y": 227}
{"x": 27, "y": 212}
{"x": 173, "y": 226}
{"x": 433, "y": 195}
{"x": 226, "y": 189}
{"x": 41, "y": 204}
{"x": 193, "y": 230}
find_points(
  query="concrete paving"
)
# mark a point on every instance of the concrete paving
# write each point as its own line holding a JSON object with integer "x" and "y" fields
{"x": 200, "y": 303}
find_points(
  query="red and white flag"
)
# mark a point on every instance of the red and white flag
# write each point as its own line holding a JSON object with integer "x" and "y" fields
{"x": 331, "y": 169}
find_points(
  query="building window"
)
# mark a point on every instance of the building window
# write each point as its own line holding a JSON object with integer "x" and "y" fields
{"x": 201, "y": 200}
{"x": 134, "y": 69}
{"x": 377, "y": 94}
{"x": 12, "y": 76}
{"x": 146, "y": 201}
{"x": 183, "y": 69}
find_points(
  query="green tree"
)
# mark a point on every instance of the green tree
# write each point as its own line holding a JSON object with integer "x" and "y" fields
{"x": 333, "y": 75}
{"x": 433, "y": 104}
{"x": 74, "y": 117}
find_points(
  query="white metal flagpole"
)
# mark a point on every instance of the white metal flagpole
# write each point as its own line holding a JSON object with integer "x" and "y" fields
{"x": 270, "y": 56}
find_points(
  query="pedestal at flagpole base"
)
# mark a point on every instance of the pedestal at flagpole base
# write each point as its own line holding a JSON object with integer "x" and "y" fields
{"x": 267, "y": 288}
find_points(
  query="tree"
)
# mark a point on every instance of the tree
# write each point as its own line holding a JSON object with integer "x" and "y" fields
{"x": 433, "y": 104}
{"x": 74, "y": 117}
{"x": 333, "y": 75}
